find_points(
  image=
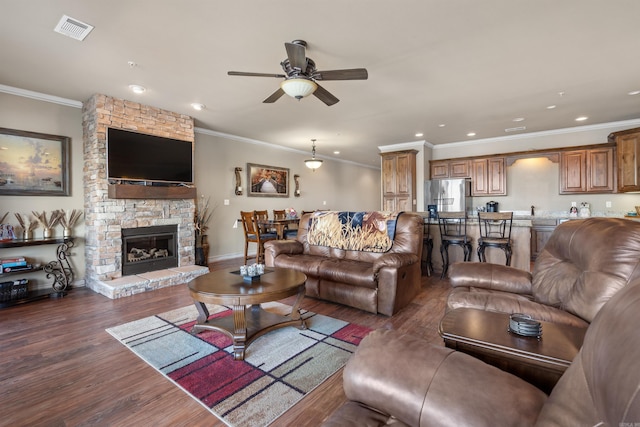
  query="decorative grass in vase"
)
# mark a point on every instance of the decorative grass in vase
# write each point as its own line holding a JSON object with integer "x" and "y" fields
{"x": 47, "y": 223}
{"x": 68, "y": 222}
{"x": 28, "y": 226}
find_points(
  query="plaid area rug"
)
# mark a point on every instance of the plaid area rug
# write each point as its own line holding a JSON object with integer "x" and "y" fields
{"x": 279, "y": 369}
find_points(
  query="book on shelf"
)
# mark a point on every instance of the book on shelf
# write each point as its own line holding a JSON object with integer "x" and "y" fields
{"x": 13, "y": 263}
{"x": 7, "y": 260}
{"x": 25, "y": 267}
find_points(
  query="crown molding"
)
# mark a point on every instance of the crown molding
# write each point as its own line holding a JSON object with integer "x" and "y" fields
{"x": 274, "y": 146}
{"x": 40, "y": 96}
{"x": 575, "y": 129}
{"x": 418, "y": 145}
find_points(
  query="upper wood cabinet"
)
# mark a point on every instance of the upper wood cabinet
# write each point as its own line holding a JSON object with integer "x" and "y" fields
{"x": 488, "y": 177}
{"x": 399, "y": 181}
{"x": 450, "y": 169}
{"x": 628, "y": 156}
{"x": 587, "y": 171}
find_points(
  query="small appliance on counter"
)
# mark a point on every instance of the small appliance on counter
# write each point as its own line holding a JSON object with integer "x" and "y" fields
{"x": 492, "y": 206}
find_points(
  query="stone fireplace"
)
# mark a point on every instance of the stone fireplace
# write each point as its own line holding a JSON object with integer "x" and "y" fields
{"x": 108, "y": 213}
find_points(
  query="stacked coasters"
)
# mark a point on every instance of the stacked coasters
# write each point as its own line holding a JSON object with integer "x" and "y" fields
{"x": 523, "y": 324}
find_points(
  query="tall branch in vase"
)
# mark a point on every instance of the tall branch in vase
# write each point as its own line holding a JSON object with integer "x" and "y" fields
{"x": 201, "y": 220}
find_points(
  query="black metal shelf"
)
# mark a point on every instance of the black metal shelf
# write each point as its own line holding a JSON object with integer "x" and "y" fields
{"x": 60, "y": 269}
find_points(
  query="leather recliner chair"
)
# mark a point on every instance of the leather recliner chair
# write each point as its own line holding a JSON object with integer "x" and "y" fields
{"x": 399, "y": 380}
{"x": 584, "y": 263}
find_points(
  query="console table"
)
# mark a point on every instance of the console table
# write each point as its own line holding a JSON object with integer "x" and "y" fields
{"x": 59, "y": 271}
{"x": 485, "y": 335}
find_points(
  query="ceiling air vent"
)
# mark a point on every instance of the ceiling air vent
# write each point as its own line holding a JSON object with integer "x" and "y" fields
{"x": 516, "y": 129}
{"x": 73, "y": 28}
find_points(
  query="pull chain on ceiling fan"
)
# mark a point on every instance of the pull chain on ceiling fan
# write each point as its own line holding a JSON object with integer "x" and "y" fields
{"x": 301, "y": 76}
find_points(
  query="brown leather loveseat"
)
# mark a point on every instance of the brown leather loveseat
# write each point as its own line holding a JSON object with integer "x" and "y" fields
{"x": 584, "y": 263}
{"x": 400, "y": 380}
{"x": 372, "y": 281}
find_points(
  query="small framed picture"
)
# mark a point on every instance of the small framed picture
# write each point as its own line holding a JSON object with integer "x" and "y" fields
{"x": 33, "y": 164}
{"x": 267, "y": 181}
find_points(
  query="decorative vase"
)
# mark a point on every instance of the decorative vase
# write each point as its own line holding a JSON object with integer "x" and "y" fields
{"x": 27, "y": 234}
{"x": 205, "y": 249}
{"x": 66, "y": 232}
{"x": 47, "y": 233}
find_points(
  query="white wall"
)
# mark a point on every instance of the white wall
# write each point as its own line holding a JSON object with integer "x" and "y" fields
{"x": 336, "y": 185}
{"x": 22, "y": 113}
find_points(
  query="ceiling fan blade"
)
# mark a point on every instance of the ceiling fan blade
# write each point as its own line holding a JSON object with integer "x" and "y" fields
{"x": 297, "y": 55}
{"x": 274, "y": 96}
{"x": 325, "y": 96}
{"x": 242, "y": 73}
{"x": 351, "y": 74}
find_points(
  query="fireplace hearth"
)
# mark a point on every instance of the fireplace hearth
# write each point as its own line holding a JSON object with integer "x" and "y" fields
{"x": 147, "y": 249}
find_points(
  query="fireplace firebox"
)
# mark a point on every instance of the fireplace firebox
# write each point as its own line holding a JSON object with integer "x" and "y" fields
{"x": 147, "y": 249}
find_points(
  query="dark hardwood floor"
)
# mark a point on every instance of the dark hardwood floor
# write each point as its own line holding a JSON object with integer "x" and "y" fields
{"x": 59, "y": 367}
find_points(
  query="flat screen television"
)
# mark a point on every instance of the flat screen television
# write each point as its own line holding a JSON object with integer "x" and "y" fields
{"x": 133, "y": 156}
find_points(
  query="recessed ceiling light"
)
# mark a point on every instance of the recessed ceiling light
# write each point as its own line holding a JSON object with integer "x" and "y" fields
{"x": 471, "y": 134}
{"x": 550, "y": 107}
{"x": 336, "y": 152}
{"x": 137, "y": 88}
{"x": 581, "y": 118}
{"x": 634, "y": 92}
{"x": 197, "y": 106}
{"x": 516, "y": 129}
{"x": 518, "y": 119}
{"x": 418, "y": 135}
{"x": 441, "y": 125}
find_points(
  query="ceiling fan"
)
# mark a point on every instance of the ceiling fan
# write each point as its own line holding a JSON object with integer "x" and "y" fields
{"x": 301, "y": 76}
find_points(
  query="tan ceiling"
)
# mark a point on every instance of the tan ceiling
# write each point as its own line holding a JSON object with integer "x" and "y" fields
{"x": 472, "y": 65}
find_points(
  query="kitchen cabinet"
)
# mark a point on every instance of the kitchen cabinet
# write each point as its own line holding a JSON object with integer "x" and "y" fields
{"x": 399, "y": 181}
{"x": 488, "y": 177}
{"x": 628, "y": 157}
{"x": 450, "y": 169}
{"x": 587, "y": 171}
{"x": 541, "y": 231}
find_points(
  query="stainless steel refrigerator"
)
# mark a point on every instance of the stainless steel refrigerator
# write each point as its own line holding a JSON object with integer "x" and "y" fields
{"x": 448, "y": 195}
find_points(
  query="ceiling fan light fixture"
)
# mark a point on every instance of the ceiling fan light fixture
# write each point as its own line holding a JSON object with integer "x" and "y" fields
{"x": 313, "y": 163}
{"x": 298, "y": 88}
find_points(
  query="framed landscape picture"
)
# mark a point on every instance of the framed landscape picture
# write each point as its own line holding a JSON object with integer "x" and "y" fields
{"x": 33, "y": 164}
{"x": 267, "y": 181}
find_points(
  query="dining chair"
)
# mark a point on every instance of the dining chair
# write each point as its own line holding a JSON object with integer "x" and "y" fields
{"x": 453, "y": 231}
{"x": 289, "y": 232}
{"x": 495, "y": 231}
{"x": 264, "y": 216}
{"x": 253, "y": 234}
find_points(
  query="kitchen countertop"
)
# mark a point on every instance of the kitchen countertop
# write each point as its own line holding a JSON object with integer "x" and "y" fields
{"x": 525, "y": 219}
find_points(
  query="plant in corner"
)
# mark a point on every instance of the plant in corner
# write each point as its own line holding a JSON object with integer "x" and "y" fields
{"x": 200, "y": 221}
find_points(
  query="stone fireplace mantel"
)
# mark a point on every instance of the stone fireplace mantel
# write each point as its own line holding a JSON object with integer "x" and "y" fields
{"x": 109, "y": 208}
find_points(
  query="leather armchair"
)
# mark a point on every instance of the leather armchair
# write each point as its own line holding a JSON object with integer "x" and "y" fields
{"x": 400, "y": 380}
{"x": 584, "y": 263}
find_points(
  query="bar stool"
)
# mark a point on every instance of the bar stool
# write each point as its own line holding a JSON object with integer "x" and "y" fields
{"x": 495, "y": 232}
{"x": 427, "y": 248}
{"x": 453, "y": 231}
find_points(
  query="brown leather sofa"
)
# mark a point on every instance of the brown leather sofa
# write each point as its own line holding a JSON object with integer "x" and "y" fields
{"x": 375, "y": 282}
{"x": 584, "y": 263}
{"x": 399, "y": 380}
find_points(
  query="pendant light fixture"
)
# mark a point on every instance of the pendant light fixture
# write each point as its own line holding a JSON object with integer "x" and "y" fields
{"x": 313, "y": 163}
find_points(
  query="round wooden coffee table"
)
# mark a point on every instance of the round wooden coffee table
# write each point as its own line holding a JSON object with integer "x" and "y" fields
{"x": 226, "y": 287}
